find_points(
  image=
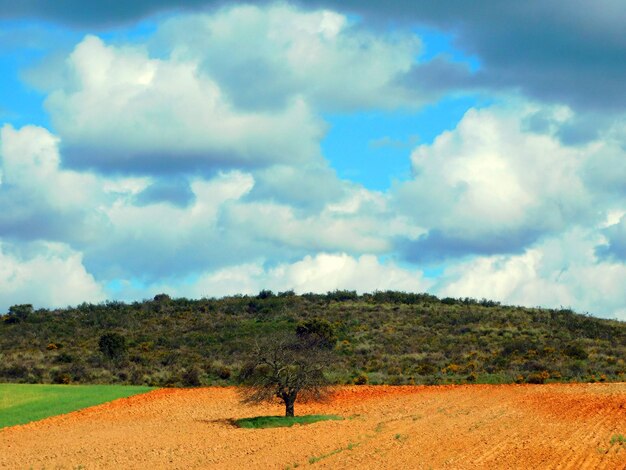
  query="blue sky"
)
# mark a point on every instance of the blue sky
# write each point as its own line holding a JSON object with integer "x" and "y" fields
{"x": 206, "y": 148}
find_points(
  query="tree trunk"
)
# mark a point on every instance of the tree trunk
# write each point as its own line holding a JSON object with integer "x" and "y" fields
{"x": 289, "y": 403}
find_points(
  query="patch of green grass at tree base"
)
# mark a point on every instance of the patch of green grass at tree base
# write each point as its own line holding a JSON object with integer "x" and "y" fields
{"x": 259, "y": 422}
{"x": 23, "y": 403}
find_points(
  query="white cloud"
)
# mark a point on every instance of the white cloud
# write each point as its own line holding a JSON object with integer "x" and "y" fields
{"x": 53, "y": 276}
{"x": 125, "y": 110}
{"x": 262, "y": 56}
{"x": 562, "y": 271}
{"x": 224, "y": 223}
{"x": 236, "y": 88}
{"x": 38, "y": 199}
{"x": 489, "y": 182}
{"x": 320, "y": 273}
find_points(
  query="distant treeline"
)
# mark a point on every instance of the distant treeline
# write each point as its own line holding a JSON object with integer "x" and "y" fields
{"x": 383, "y": 337}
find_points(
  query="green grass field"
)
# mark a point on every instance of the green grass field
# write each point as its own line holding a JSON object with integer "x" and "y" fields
{"x": 22, "y": 403}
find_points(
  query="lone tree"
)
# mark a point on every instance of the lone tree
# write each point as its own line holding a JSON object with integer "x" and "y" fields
{"x": 287, "y": 367}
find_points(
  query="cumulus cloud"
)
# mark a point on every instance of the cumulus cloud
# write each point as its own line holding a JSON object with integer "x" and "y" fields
{"x": 309, "y": 188}
{"x": 38, "y": 199}
{"x": 153, "y": 228}
{"x": 124, "y": 111}
{"x": 184, "y": 101}
{"x": 50, "y": 275}
{"x": 490, "y": 187}
{"x": 320, "y": 273}
{"x": 562, "y": 271}
{"x": 283, "y": 52}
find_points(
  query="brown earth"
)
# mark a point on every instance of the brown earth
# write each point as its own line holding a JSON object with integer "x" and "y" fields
{"x": 564, "y": 426}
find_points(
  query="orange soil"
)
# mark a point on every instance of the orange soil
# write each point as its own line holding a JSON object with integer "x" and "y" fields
{"x": 471, "y": 426}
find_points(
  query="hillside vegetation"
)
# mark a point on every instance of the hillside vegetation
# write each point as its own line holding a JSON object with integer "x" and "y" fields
{"x": 385, "y": 337}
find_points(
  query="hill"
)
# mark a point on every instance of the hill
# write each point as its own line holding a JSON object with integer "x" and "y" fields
{"x": 384, "y": 337}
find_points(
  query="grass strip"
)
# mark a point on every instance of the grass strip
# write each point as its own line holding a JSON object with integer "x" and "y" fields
{"x": 259, "y": 422}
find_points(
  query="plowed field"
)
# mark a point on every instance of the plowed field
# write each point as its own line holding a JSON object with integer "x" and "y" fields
{"x": 475, "y": 426}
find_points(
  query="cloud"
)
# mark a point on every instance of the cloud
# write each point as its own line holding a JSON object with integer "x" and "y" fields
{"x": 562, "y": 271}
{"x": 52, "y": 275}
{"x": 489, "y": 187}
{"x": 175, "y": 191}
{"x": 35, "y": 200}
{"x": 283, "y": 52}
{"x": 308, "y": 188}
{"x": 150, "y": 228}
{"x": 321, "y": 273}
{"x": 615, "y": 246}
{"x": 124, "y": 111}
{"x": 559, "y": 51}
{"x": 100, "y": 13}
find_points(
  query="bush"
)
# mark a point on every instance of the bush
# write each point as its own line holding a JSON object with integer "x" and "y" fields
{"x": 162, "y": 298}
{"x": 360, "y": 379}
{"x": 265, "y": 294}
{"x": 191, "y": 377}
{"x": 318, "y": 332}
{"x": 575, "y": 351}
{"x": 60, "y": 377}
{"x": 64, "y": 358}
{"x": 223, "y": 372}
{"x": 22, "y": 311}
{"x": 15, "y": 371}
{"x": 538, "y": 377}
{"x": 112, "y": 345}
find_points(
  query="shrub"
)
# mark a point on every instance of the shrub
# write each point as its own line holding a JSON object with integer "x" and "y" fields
{"x": 575, "y": 351}
{"x": 22, "y": 311}
{"x": 360, "y": 379}
{"x": 15, "y": 371}
{"x": 191, "y": 377}
{"x": 162, "y": 298}
{"x": 538, "y": 377}
{"x": 317, "y": 331}
{"x": 112, "y": 345}
{"x": 64, "y": 358}
{"x": 60, "y": 377}
{"x": 265, "y": 294}
{"x": 224, "y": 372}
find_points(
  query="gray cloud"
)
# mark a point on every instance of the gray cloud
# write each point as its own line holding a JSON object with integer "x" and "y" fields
{"x": 555, "y": 50}
{"x": 98, "y": 13}
{"x": 175, "y": 191}
{"x": 438, "y": 246}
{"x": 306, "y": 188}
{"x": 570, "y": 52}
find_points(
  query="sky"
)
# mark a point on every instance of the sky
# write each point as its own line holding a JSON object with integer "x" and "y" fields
{"x": 206, "y": 148}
